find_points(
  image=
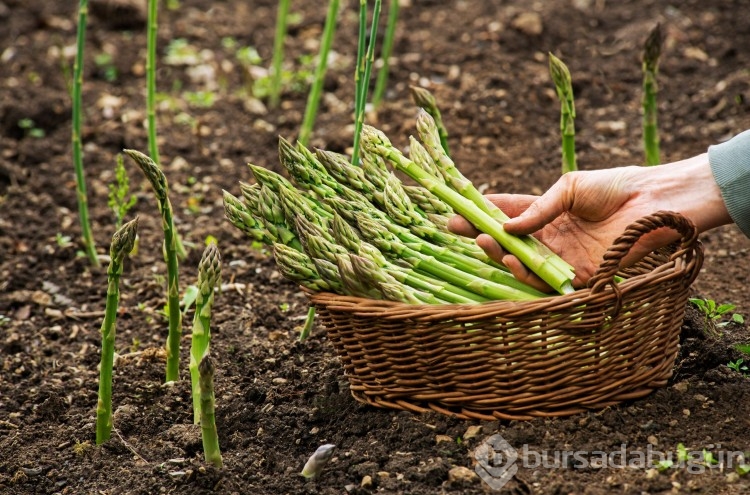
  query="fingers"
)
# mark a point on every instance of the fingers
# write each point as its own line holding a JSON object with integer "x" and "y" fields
{"x": 546, "y": 208}
{"x": 511, "y": 204}
{"x": 459, "y": 225}
{"x": 518, "y": 269}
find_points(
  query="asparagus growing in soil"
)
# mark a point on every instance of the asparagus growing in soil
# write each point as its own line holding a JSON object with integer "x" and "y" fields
{"x": 152, "y": 27}
{"x": 426, "y": 101}
{"x": 313, "y": 97}
{"x": 209, "y": 274}
{"x": 161, "y": 190}
{"x": 651, "y": 53}
{"x": 209, "y": 433}
{"x": 315, "y": 464}
{"x": 385, "y": 54}
{"x": 538, "y": 259}
{"x": 122, "y": 243}
{"x": 278, "y": 52}
{"x": 87, "y": 236}
{"x": 362, "y": 74}
{"x": 564, "y": 87}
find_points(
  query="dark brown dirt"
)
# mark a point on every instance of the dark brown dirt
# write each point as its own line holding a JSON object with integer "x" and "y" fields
{"x": 278, "y": 399}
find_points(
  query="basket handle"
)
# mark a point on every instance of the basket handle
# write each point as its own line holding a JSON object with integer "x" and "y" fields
{"x": 621, "y": 246}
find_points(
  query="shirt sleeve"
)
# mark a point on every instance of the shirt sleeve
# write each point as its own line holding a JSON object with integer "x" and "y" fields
{"x": 730, "y": 165}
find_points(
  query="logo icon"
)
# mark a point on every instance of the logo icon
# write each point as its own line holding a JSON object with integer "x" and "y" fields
{"x": 496, "y": 461}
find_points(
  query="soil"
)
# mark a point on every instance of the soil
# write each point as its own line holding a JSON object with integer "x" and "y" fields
{"x": 278, "y": 399}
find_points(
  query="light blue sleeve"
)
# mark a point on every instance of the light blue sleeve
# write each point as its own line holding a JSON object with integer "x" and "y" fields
{"x": 730, "y": 165}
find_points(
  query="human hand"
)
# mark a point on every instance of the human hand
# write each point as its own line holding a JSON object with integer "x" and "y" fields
{"x": 584, "y": 212}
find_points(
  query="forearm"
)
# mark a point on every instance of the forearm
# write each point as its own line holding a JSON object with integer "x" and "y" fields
{"x": 730, "y": 166}
{"x": 688, "y": 187}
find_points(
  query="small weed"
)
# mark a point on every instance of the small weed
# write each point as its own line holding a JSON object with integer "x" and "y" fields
{"x": 4, "y": 320}
{"x": 30, "y": 129}
{"x": 743, "y": 469}
{"x": 63, "y": 241}
{"x": 664, "y": 465}
{"x": 135, "y": 344}
{"x": 708, "y": 459}
{"x": 284, "y": 307}
{"x": 739, "y": 366}
{"x": 120, "y": 200}
{"x": 82, "y": 448}
{"x": 714, "y": 313}
{"x": 682, "y": 453}
{"x": 105, "y": 63}
{"x": 200, "y": 99}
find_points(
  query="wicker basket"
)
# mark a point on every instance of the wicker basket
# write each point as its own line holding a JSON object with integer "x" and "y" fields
{"x": 518, "y": 360}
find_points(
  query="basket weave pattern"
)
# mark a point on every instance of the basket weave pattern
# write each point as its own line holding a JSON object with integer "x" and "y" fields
{"x": 517, "y": 360}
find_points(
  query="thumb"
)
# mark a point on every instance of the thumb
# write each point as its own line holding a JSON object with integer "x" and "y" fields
{"x": 545, "y": 209}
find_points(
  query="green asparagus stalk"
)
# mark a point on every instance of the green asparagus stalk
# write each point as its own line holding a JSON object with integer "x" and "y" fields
{"x": 370, "y": 273}
{"x": 313, "y": 98}
{"x": 87, "y": 236}
{"x": 209, "y": 274}
{"x": 161, "y": 190}
{"x": 426, "y": 101}
{"x": 251, "y": 195}
{"x": 309, "y": 324}
{"x": 239, "y": 216}
{"x": 651, "y": 53}
{"x": 329, "y": 272}
{"x": 209, "y": 433}
{"x": 152, "y": 28}
{"x": 362, "y": 76}
{"x": 346, "y": 236}
{"x": 534, "y": 257}
{"x": 299, "y": 267}
{"x": 345, "y": 173}
{"x": 428, "y": 202}
{"x": 385, "y": 55}
{"x": 122, "y": 243}
{"x": 354, "y": 284}
{"x": 429, "y": 133}
{"x": 387, "y": 242}
{"x": 272, "y": 215}
{"x": 564, "y": 87}
{"x": 453, "y": 177}
{"x": 278, "y": 52}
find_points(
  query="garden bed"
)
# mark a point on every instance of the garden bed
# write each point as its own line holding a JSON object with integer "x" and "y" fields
{"x": 278, "y": 399}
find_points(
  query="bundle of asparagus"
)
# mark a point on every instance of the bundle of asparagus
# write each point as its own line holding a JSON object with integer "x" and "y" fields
{"x": 359, "y": 231}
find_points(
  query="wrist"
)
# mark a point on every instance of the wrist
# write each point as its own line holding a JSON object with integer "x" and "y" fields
{"x": 689, "y": 188}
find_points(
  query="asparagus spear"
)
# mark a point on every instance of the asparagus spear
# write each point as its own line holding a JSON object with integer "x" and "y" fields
{"x": 209, "y": 274}
{"x": 239, "y": 216}
{"x": 345, "y": 235}
{"x": 534, "y": 256}
{"x": 251, "y": 195}
{"x": 353, "y": 282}
{"x": 426, "y": 101}
{"x": 87, "y": 235}
{"x": 161, "y": 190}
{"x": 274, "y": 220}
{"x": 122, "y": 243}
{"x": 299, "y": 267}
{"x": 209, "y": 433}
{"x": 391, "y": 289}
{"x": 651, "y": 53}
{"x": 387, "y": 242}
{"x": 564, "y": 87}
